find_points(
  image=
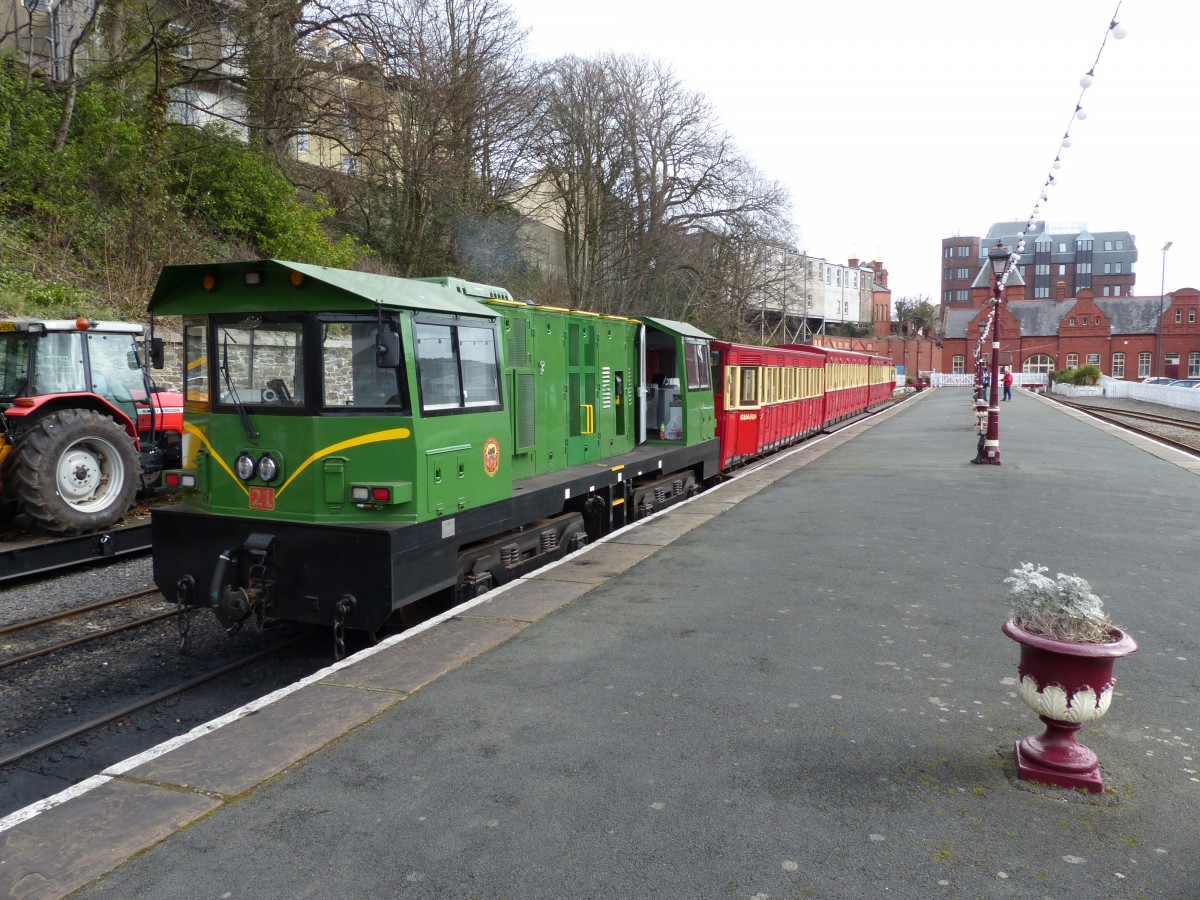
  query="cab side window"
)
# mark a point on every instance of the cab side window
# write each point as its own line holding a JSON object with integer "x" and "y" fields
{"x": 457, "y": 367}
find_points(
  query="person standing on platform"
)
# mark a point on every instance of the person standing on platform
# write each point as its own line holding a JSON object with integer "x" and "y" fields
{"x": 1008, "y": 381}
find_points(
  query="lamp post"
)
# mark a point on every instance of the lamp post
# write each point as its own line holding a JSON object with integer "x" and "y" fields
{"x": 1162, "y": 301}
{"x": 998, "y": 258}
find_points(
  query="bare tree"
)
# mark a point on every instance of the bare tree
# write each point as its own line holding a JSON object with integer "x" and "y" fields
{"x": 437, "y": 115}
{"x": 583, "y": 159}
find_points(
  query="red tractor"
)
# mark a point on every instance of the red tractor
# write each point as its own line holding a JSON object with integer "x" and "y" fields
{"x": 83, "y": 427}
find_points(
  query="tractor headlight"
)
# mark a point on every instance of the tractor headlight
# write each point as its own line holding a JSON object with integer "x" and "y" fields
{"x": 268, "y": 468}
{"x": 244, "y": 466}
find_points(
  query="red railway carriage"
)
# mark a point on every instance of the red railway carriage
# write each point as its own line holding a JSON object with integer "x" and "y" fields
{"x": 766, "y": 398}
{"x": 881, "y": 380}
{"x": 854, "y": 381}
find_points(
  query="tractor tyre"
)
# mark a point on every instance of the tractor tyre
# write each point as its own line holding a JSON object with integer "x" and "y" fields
{"x": 9, "y": 507}
{"x": 76, "y": 471}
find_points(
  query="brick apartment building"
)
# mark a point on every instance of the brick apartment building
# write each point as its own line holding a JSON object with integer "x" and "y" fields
{"x": 1104, "y": 261}
{"x": 1127, "y": 337}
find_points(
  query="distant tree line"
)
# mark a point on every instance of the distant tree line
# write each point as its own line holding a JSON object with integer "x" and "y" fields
{"x": 456, "y": 137}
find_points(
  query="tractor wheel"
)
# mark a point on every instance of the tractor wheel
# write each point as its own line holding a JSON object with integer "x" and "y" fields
{"x": 76, "y": 471}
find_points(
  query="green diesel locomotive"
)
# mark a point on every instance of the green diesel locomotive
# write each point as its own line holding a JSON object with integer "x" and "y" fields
{"x": 355, "y": 443}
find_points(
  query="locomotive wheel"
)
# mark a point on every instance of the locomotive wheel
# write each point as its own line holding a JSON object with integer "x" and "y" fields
{"x": 76, "y": 471}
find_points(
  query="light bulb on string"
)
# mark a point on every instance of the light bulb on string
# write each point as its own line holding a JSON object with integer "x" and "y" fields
{"x": 1066, "y": 141}
{"x": 1086, "y": 80}
{"x": 1057, "y": 163}
{"x": 1119, "y": 31}
{"x": 1080, "y": 113}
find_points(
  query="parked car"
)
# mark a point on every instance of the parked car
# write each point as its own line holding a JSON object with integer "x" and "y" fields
{"x": 1157, "y": 380}
{"x": 1185, "y": 383}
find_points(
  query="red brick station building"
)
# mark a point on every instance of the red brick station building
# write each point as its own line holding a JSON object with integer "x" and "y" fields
{"x": 1127, "y": 337}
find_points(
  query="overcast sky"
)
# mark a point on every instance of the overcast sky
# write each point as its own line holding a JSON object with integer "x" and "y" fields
{"x": 896, "y": 124}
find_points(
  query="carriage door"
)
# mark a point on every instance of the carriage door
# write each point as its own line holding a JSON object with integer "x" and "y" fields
{"x": 583, "y": 444}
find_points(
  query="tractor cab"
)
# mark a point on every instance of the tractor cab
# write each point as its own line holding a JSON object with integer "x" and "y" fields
{"x": 81, "y": 426}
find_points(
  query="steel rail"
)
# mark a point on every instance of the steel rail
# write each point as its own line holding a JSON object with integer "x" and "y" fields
{"x": 1114, "y": 417}
{"x": 188, "y": 685}
{"x": 1185, "y": 424}
{"x": 95, "y": 636}
{"x": 76, "y": 611}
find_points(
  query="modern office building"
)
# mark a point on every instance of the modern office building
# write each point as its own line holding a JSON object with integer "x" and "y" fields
{"x": 1103, "y": 262}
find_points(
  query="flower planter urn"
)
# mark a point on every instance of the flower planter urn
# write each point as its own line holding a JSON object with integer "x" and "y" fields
{"x": 1068, "y": 684}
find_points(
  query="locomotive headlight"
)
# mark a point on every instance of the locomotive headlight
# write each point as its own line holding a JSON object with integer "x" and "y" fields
{"x": 244, "y": 466}
{"x": 268, "y": 468}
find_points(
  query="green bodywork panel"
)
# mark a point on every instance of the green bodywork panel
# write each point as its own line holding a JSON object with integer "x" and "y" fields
{"x": 570, "y": 381}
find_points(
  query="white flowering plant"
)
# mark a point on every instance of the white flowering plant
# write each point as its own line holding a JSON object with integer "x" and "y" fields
{"x": 1065, "y": 607}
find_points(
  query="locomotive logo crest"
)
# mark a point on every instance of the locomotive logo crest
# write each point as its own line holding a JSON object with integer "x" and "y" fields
{"x": 491, "y": 456}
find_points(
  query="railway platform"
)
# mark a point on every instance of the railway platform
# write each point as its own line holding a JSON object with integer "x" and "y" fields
{"x": 793, "y": 685}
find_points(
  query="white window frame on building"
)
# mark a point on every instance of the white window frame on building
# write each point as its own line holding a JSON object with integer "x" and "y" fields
{"x": 1041, "y": 364}
{"x": 1118, "y": 365}
{"x": 1171, "y": 359}
{"x": 1194, "y": 364}
{"x": 1144, "y": 361}
{"x": 1072, "y": 360}
{"x": 958, "y": 365}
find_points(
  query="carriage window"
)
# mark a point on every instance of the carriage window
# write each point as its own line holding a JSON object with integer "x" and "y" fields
{"x": 457, "y": 366}
{"x": 695, "y": 354}
{"x": 350, "y": 377}
{"x": 749, "y": 387}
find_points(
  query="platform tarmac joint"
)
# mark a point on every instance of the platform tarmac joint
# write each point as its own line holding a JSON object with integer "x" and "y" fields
{"x": 793, "y": 685}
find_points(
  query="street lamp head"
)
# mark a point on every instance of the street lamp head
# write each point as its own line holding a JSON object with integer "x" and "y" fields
{"x": 1167, "y": 246}
{"x": 998, "y": 257}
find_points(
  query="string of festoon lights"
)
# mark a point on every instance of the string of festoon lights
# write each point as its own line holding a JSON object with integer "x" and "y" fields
{"x": 1118, "y": 32}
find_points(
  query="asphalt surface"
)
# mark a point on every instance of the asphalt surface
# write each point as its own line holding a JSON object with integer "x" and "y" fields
{"x": 808, "y": 695}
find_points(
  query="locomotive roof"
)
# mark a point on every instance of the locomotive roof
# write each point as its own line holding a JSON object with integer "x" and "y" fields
{"x": 180, "y": 289}
{"x": 682, "y": 328}
{"x": 25, "y": 324}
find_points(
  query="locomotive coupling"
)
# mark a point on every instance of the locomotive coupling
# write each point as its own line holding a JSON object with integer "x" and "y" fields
{"x": 240, "y": 582}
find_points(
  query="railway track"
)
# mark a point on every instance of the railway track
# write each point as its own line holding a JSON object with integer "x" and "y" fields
{"x": 67, "y": 614}
{"x": 1152, "y": 425}
{"x": 105, "y": 718}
